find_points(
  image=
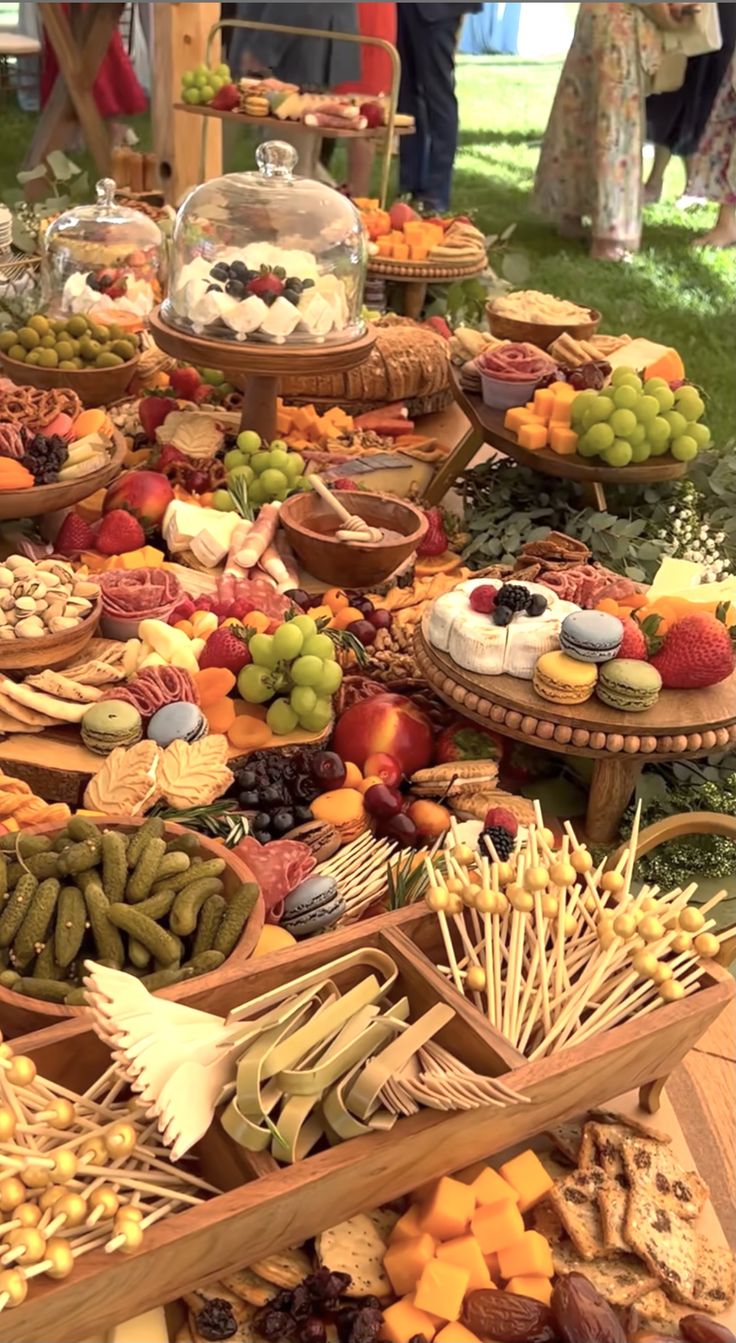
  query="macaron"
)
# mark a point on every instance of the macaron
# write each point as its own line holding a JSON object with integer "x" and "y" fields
{"x": 591, "y": 636}
{"x": 563, "y": 679}
{"x": 111, "y": 723}
{"x": 180, "y": 721}
{"x": 313, "y": 906}
{"x": 629, "y": 684}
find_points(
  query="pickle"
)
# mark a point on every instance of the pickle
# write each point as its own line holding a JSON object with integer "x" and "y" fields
{"x": 183, "y": 918}
{"x": 114, "y": 865}
{"x": 157, "y": 906}
{"x": 50, "y": 990}
{"x": 41, "y": 865}
{"x": 76, "y": 996}
{"x": 143, "y": 875}
{"x": 206, "y": 961}
{"x": 138, "y": 955}
{"x": 3, "y": 876}
{"x": 161, "y": 944}
{"x": 108, "y": 942}
{"x": 32, "y": 931}
{"x": 62, "y": 841}
{"x": 80, "y": 857}
{"x": 209, "y": 921}
{"x": 151, "y": 829}
{"x": 15, "y": 908}
{"x": 9, "y": 978}
{"x": 238, "y": 911}
{"x": 46, "y": 966}
{"x": 188, "y": 843}
{"x": 71, "y": 919}
{"x": 212, "y": 868}
{"x": 16, "y": 842}
{"x": 172, "y": 865}
{"x": 80, "y": 828}
{"x": 162, "y": 979}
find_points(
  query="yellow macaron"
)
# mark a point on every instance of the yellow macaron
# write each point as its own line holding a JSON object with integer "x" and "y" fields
{"x": 563, "y": 679}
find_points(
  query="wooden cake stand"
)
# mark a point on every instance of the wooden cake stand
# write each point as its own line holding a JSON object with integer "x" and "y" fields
{"x": 416, "y": 276}
{"x": 683, "y": 724}
{"x": 590, "y": 473}
{"x": 262, "y": 365}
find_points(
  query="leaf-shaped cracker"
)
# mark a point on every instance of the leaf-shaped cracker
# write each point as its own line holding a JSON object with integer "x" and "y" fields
{"x": 127, "y": 783}
{"x": 197, "y": 434}
{"x": 195, "y": 773}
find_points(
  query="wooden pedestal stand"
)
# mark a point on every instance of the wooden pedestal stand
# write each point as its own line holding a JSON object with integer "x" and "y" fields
{"x": 261, "y": 365}
{"x": 416, "y": 276}
{"x": 683, "y": 724}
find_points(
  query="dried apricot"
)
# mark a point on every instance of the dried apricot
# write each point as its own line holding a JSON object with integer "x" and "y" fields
{"x": 336, "y": 599}
{"x": 220, "y": 715}
{"x": 353, "y": 776}
{"x": 213, "y": 684}
{"x": 346, "y": 617}
{"x": 248, "y": 734}
{"x": 255, "y": 620}
{"x": 340, "y": 807}
{"x": 186, "y": 628}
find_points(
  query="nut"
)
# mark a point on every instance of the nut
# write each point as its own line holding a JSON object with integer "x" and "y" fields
{"x": 83, "y": 589}
{"x": 58, "y": 624}
{"x": 25, "y": 605}
{"x": 7, "y": 633}
{"x": 7, "y": 601}
{"x": 51, "y": 580}
{"x": 32, "y": 628}
{"x": 6, "y": 577}
{"x": 77, "y": 606}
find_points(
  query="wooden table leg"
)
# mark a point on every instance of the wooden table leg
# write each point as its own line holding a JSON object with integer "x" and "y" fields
{"x": 79, "y": 59}
{"x": 453, "y": 465}
{"x": 614, "y": 780}
{"x": 259, "y": 406}
{"x": 595, "y": 495}
{"x": 650, "y": 1096}
{"x": 415, "y": 293}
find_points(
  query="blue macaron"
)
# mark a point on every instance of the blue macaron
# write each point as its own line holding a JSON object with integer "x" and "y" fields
{"x": 591, "y": 636}
{"x": 179, "y": 721}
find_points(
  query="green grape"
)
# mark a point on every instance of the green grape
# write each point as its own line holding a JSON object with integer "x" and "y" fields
{"x": 233, "y": 458}
{"x": 608, "y": 393}
{"x": 600, "y": 409}
{"x": 247, "y": 473}
{"x": 287, "y": 641}
{"x": 206, "y": 93}
{"x": 249, "y": 441}
{"x": 658, "y": 432}
{"x": 619, "y": 454}
{"x": 217, "y": 82}
{"x": 262, "y": 650}
{"x": 638, "y": 435}
{"x": 256, "y": 492}
{"x": 330, "y": 680}
{"x": 320, "y": 646}
{"x": 684, "y": 448}
{"x": 646, "y": 409}
{"x": 281, "y": 717}
{"x": 627, "y": 378}
{"x": 599, "y": 437}
{"x": 223, "y": 69}
{"x": 255, "y": 684}
{"x": 273, "y": 482}
{"x": 319, "y": 718}
{"x": 626, "y": 397}
{"x": 641, "y": 452}
{"x": 278, "y": 445}
{"x": 303, "y": 699}
{"x": 260, "y": 461}
{"x": 701, "y": 434}
{"x": 689, "y": 403}
{"x": 201, "y": 76}
{"x": 306, "y": 671}
{"x": 623, "y": 423}
{"x": 223, "y": 501}
{"x": 307, "y": 626}
{"x": 279, "y": 460}
{"x": 202, "y": 69}
{"x": 665, "y": 398}
{"x": 651, "y": 385}
{"x": 676, "y": 421}
{"x": 191, "y": 95}
{"x": 294, "y": 466}
{"x": 580, "y": 405}
{"x": 585, "y": 447}
{"x": 187, "y": 79}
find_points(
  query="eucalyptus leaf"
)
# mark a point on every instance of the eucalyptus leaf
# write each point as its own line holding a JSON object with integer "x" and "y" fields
{"x": 32, "y": 174}
{"x": 516, "y": 267}
{"x": 62, "y": 167}
{"x": 508, "y": 232}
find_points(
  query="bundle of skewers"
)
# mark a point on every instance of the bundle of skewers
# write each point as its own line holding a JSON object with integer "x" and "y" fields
{"x": 554, "y": 950}
{"x": 78, "y": 1172}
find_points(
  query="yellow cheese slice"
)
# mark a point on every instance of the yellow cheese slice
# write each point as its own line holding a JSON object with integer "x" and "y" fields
{"x": 709, "y": 594}
{"x": 676, "y": 577}
{"x": 147, "y": 1328}
{"x": 638, "y": 353}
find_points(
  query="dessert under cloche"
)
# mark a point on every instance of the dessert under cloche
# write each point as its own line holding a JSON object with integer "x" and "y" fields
{"x": 104, "y": 259}
{"x": 268, "y": 257}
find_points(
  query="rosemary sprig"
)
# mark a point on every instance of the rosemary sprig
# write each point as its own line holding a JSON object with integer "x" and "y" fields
{"x": 219, "y": 819}
{"x": 238, "y": 491}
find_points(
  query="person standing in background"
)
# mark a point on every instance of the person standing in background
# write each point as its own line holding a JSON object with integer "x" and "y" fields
{"x": 712, "y": 168}
{"x": 427, "y": 42}
{"x": 297, "y": 60}
{"x": 374, "y": 20}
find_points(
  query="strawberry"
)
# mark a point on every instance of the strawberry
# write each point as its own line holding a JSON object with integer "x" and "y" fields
{"x": 118, "y": 533}
{"x": 697, "y": 651}
{"x": 265, "y": 284}
{"x": 344, "y": 483}
{"x": 152, "y": 411}
{"x": 74, "y": 535}
{"x": 502, "y": 817}
{"x": 227, "y": 99}
{"x": 439, "y": 325}
{"x": 226, "y": 647}
{"x": 185, "y": 382}
{"x": 435, "y": 540}
{"x": 633, "y": 644}
{"x": 483, "y": 599}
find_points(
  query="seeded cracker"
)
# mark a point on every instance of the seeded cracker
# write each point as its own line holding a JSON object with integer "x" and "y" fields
{"x": 652, "y": 1170}
{"x": 613, "y": 1197}
{"x": 286, "y": 1269}
{"x": 250, "y": 1287}
{"x": 356, "y": 1247}
{"x": 574, "y": 1200}
{"x": 656, "y": 1311}
{"x": 621, "y": 1280}
{"x": 690, "y": 1267}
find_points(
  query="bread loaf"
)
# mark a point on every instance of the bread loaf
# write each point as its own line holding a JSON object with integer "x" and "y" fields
{"x": 408, "y": 361}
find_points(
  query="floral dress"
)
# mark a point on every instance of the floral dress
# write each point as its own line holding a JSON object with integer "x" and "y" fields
{"x": 713, "y": 165}
{"x": 590, "y": 163}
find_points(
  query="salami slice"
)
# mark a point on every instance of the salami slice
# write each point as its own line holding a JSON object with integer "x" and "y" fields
{"x": 277, "y": 867}
{"x": 516, "y": 363}
{"x": 153, "y": 687}
{"x": 147, "y": 593}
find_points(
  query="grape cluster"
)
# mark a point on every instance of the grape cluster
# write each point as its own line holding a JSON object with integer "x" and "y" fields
{"x": 294, "y": 671}
{"x": 44, "y": 457}
{"x": 631, "y": 420}
{"x": 270, "y": 471}
{"x": 277, "y": 790}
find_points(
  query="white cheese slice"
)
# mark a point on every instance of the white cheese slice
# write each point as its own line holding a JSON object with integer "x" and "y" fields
{"x": 676, "y": 576}
{"x": 477, "y": 644}
{"x": 281, "y": 318}
{"x": 637, "y": 354}
{"x": 442, "y": 615}
{"x": 526, "y": 643}
{"x": 147, "y": 1328}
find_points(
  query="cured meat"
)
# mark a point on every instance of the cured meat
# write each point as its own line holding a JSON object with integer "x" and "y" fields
{"x": 153, "y": 687}
{"x": 258, "y": 539}
{"x": 148, "y": 593}
{"x": 273, "y": 565}
{"x": 516, "y": 363}
{"x": 335, "y": 123}
{"x": 277, "y": 867}
{"x": 258, "y": 589}
{"x": 289, "y": 560}
{"x": 588, "y": 584}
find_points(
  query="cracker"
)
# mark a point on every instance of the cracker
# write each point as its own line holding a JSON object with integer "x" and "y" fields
{"x": 656, "y": 1311}
{"x": 603, "y": 1141}
{"x": 546, "y": 1221}
{"x": 690, "y": 1267}
{"x": 574, "y": 1200}
{"x": 567, "y": 1139}
{"x": 250, "y": 1287}
{"x": 651, "y": 1169}
{"x": 65, "y": 687}
{"x": 621, "y": 1279}
{"x": 287, "y": 1268}
{"x": 356, "y": 1247}
{"x": 613, "y": 1197}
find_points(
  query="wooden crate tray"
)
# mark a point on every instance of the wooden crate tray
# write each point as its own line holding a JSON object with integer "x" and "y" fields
{"x": 258, "y": 1215}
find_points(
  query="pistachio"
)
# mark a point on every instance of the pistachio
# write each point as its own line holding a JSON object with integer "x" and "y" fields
{"x": 7, "y": 601}
{"x": 58, "y": 624}
{"x": 31, "y": 628}
{"x": 77, "y": 606}
{"x": 25, "y": 605}
{"x": 84, "y": 589}
{"x": 7, "y": 632}
{"x": 6, "y": 577}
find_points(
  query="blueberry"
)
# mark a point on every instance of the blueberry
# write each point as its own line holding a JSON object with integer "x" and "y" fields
{"x": 220, "y": 272}
{"x": 291, "y": 282}
{"x": 248, "y": 798}
{"x": 302, "y": 815}
{"x": 235, "y": 288}
{"x": 537, "y": 605}
{"x": 261, "y": 821}
{"x": 216, "y": 288}
{"x": 268, "y": 299}
{"x": 239, "y": 270}
{"x": 271, "y": 796}
{"x": 502, "y": 615}
{"x": 307, "y": 284}
{"x": 291, "y": 295}
{"x": 282, "y": 821}
{"x": 247, "y": 778}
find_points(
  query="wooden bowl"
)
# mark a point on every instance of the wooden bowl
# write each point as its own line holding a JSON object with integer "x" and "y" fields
{"x": 51, "y": 650}
{"x": 310, "y": 525}
{"x": 542, "y": 334}
{"x": 40, "y": 499}
{"x": 20, "y": 1014}
{"x": 94, "y": 386}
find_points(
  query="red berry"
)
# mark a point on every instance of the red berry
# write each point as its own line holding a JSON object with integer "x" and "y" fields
{"x": 118, "y": 533}
{"x": 73, "y": 535}
{"x": 503, "y": 817}
{"x": 226, "y": 648}
{"x": 484, "y": 599}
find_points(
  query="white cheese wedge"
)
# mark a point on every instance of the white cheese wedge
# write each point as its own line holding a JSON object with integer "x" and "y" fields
{"x": 676, "y": 576}
{"x": 526, "y": 643}
{"x": 147, "y": 1328}
{"x": 281, "y": 319}
{"x": 442, "y": 616}
{"x": 315, "y": 313}
{"x": 477, "y": 644}
{"x": 246, "y": 315}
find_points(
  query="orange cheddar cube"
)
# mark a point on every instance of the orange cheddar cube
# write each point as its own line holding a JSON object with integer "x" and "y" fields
{"x": 464, "y": 1252}
{"x": 401, "y": 251}
{"x": 491, "y": 1261}
{"x": 532, "y": 436}
{"x": 539, "y": 1289}
{"x": 496, "y": 1227}
{"x": 528, "y": 1257}
{"x": 418, "y": 251}
{"x": 385, "y": 246}
{"x": 405, "y": 1262}
{"x": 544, "y": 399}
{"x": 441, "y": 1289}
{"x": 455, "y": 1333}
{"x": 563, "y": 391}
{"x": 561, "y": 411}
{"x": 407, "y": 1227}
{"x": 403, "y": 1320}
{"x": 491, "y": 1188}
{"x": 526, "y": 1174}
{"x": 516, "y": 416}
{"x": 562, "y": 439}
{"x": 448, "y": 1210}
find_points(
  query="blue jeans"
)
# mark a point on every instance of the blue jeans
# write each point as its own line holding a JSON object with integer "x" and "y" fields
{"x": 427, "y": 93}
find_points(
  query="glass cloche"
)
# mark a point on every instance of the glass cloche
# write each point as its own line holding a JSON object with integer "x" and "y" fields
{"x": 267, "y": 256}
{"x": 105, "y": 258}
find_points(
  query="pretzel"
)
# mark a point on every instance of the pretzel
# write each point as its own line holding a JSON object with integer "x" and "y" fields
{"x": 35, "y": 407}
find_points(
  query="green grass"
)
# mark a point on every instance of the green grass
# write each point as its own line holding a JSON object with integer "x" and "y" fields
{"x": 671, "y": 292}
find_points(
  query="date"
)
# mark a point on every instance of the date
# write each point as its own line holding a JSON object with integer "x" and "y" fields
{"x": 581, "y": 1313}
{"x": 506, "y": 1318}
{"x": 646, "y": 1336}
{"x": 702, "y": 1329}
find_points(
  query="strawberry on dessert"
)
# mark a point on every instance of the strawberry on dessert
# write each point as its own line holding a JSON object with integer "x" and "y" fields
{"x": 265, "y": 284}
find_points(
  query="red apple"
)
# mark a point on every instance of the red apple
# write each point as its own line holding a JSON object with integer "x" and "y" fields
{"x": 382, "y": 802}
{"x": 385, "y": 766}
{"x": 400, "y": 213}
{"x": 373, "y": 113}
{"x": 145, "y": 494}
{"x": 390, "y": 724}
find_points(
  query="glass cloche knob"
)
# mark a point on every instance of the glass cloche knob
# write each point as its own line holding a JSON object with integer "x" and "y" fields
{"x": 105, "y": 191}
{"x": 276, "y": 158}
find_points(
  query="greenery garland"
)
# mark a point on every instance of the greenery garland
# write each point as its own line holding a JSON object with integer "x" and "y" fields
{"x": 683, "y": 860}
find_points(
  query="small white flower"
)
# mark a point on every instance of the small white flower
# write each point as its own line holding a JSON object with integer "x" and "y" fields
{"x": 710, "y": 544}
{"x": 703, "y": 533}
{"x": 720, "y": 536}
{"x": 718, "y": 566}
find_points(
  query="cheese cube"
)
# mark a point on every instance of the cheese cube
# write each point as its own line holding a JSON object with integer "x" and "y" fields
{"x": 401, "y": 251}
{"x": 528, "y": 1257}
{"x": 543, "y": 402}
{"x": 491, "y": 1188}
{"x": 403, "y": 1320}
{"x": 441, "y": 1289}
{"x": 496, "y": 1227}
{"x": 516, "y": 416}
{"x": 405, "y": 1261}
{"x": 562, "y": 439}
{"x": 465, "y": 1252}
{"x": 532, "y": 436}
{"x": 455, "y": 1333}
{"x": 563, "y": 391}
{"x": 526, "y": 1174}
{"x": 539, "y": 1289}
{"x": 448, "y": 1210}
{"x": 407, "y": 1226}
{"x": 491, "y": 1261}
{"x": 561, "y": 411}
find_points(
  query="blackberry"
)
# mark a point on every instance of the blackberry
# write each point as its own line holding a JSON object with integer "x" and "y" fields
{"x": 514, "y": 596}
{"x": 501, "y": 840}
{"x": 216, "y": 1320}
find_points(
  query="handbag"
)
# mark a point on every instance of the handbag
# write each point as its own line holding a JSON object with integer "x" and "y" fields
{"x": 701, "y": 36}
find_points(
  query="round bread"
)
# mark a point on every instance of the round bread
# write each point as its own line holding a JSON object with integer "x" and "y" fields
{"x": 407, "y": 362}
